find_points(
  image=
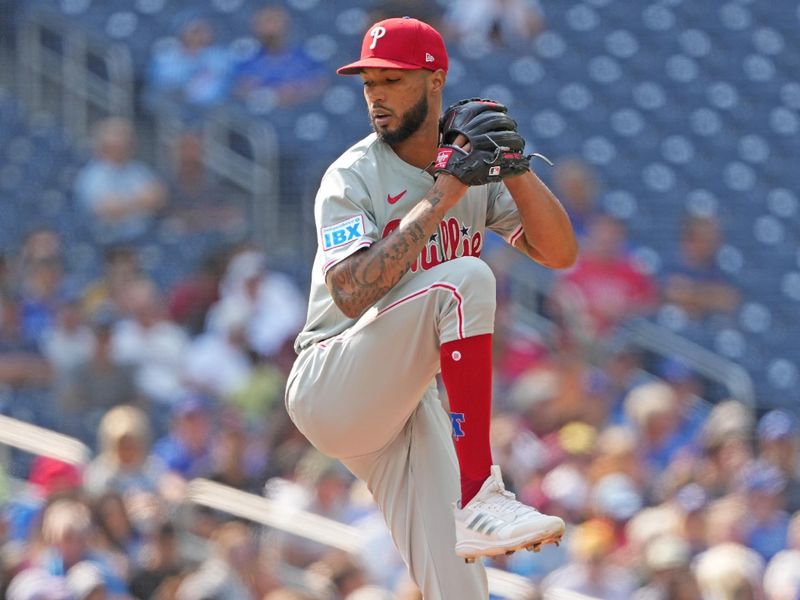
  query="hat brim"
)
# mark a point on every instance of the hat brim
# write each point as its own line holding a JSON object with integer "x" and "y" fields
{"x": 355, "y": 68}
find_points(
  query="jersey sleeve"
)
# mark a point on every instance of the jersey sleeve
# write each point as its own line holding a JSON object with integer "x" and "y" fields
{"x": 344, "y": 217}
{"x": 502, "y": 215}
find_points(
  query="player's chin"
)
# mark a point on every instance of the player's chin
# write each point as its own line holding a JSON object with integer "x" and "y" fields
{"x": 381, "y": 124}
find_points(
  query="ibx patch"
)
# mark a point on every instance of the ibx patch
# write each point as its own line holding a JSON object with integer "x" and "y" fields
{"x": 342, "y": 233}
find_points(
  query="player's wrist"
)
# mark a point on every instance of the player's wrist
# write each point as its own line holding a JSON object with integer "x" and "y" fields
{"x": 449, "y": 187}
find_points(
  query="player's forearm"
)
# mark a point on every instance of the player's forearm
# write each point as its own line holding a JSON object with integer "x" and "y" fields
{"x": 362, "y": 279}
{"x": 548, "y": 237}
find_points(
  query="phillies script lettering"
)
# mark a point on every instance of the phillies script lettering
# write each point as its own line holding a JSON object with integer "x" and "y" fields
{"x": 455, "y": 242}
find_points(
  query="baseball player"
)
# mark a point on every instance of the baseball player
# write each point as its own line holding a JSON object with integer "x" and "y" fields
{"x": 399, "y": 294}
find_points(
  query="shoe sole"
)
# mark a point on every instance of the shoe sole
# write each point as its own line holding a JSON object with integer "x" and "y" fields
{"x": 524, "y": 543}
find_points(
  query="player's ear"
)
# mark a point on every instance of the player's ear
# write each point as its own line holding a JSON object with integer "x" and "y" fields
{"x": 436, "y": 81}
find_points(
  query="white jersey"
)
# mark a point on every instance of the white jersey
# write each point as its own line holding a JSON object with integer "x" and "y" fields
{"x": 361, "y": 199}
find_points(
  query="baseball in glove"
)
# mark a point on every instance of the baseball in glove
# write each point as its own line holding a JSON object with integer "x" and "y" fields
{"x": 494, "y": 149}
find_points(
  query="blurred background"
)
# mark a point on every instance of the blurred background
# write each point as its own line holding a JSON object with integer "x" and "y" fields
{"x": 158, "y": 163}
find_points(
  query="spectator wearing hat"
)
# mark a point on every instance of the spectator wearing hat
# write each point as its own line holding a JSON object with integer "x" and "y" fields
{"x": 766, "y": 523}
{"x": 185, "y": 450}
{"x": 124, "y": 464}
{"x": 779, "y": 443}
{"x": 48, "y": 478}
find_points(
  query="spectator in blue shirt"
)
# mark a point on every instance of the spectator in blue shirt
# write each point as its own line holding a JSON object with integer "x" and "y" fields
{"x": 283, "y": 68}
{"x": 694, "y": 282}
{"x": 121, "y": 193}
{"x": 767, "y": 523}
{"x": 193, "y": 70}
{"x": 186, "y": 449}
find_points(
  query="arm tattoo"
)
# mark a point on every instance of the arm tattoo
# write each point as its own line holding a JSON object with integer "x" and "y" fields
{"x": 362, "y": 279}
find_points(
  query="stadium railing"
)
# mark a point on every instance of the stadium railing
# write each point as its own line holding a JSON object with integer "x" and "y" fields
{"x": 76, "y": 75}
{"x": 319, "y": 529}
{"x": 42, "y": 442}
{"x": 529, "y": 293}
{"x": 45, "y": 442}
{"x": 242, "y": 152}
{"x": 69, "y": 72}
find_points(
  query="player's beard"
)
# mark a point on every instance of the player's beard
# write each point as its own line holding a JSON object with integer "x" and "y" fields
{"x": 409, "y": 124}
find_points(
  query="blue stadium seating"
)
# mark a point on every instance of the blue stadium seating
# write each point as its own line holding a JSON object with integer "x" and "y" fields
{"x": 679, "y": 105}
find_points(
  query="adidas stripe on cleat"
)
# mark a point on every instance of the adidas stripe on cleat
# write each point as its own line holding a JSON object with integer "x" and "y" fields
{"x": 494, "y": 522}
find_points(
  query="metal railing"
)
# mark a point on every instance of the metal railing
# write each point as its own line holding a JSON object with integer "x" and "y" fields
{"x": 659, "y": 340}
{"x": 241, "y": 151}
{"x": 529, "y": 292}
{"x": 319, "y": 529}
{"x": 71, "y": 73}
{"x": 40, "y": 441}
{"x": 79, "y": 77}
{"x": 43, "y": 442}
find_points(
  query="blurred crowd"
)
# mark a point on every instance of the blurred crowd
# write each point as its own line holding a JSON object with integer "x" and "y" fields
{"x": 669, "y": 490}
{"x": 272, "y": 68}
{"x": 667, "y": 494}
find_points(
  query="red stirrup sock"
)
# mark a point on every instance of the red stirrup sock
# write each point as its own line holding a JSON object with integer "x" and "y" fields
{"x": 467, "y": 375}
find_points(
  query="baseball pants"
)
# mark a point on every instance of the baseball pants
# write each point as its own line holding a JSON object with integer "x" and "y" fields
{"x": 368, "y": 397}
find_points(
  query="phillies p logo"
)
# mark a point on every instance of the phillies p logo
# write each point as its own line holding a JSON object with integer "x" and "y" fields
{"x": 456, "y": 419}
{"x": 376, "y": 33}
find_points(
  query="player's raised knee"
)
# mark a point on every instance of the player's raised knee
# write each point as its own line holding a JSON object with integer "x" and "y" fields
{"x": 476, "y": 273}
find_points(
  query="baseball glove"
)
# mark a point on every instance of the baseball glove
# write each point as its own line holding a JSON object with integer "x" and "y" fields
{"x": 495, "y": 148}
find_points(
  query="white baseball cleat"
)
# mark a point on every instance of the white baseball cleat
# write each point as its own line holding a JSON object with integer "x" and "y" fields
{"x": 494, "y": 522}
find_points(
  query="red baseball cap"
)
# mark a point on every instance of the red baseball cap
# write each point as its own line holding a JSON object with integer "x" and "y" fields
{"x": 400, "y": 43}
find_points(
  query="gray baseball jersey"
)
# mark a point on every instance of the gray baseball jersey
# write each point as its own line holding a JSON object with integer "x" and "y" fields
{"x": 361, "y": 199}
{"x": 363, "y": 390}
